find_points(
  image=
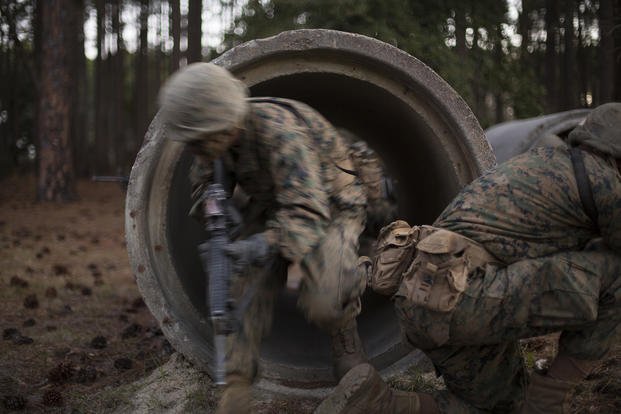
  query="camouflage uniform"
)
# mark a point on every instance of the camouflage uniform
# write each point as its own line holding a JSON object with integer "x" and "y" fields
{"x": 528, "y": 214}
{"x": 297, "y": 172}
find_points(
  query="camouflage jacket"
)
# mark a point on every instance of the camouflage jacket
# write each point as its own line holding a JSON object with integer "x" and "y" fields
{"x": 297, "y": 171}
{"x": 530, "y": 207}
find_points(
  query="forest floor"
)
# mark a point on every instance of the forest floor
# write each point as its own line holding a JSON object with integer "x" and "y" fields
{"x": 77, "y": 337}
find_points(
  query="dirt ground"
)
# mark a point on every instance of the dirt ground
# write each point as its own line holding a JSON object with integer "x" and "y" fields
{"x": 77, "y": 337}
{"x": 67, "y": 289}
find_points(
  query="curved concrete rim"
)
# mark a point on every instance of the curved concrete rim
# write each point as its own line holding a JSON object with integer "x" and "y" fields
{"x": 441, "y": 94}
{"x": 141, "y": 209}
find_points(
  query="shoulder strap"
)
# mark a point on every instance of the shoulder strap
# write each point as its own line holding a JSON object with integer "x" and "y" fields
{"x": 584, "y": 185}
{"x": 285, "y": 104}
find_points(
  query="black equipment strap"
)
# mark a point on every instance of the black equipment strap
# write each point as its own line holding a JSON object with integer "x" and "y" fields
{"x": 584, "y": 185}
{"x": 219, "y": 174}
{"x": 284, "y": 104}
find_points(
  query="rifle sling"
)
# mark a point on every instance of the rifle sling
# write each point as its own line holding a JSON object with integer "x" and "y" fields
{"x": 584, "y": 185}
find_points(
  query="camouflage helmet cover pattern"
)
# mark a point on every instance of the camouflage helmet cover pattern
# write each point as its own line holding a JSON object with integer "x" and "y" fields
{"x": 601, "y": 130}
{"x": 202, "y": 99}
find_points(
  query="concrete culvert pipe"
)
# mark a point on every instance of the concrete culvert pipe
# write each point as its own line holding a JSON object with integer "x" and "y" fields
{"x": 429, "y": 139}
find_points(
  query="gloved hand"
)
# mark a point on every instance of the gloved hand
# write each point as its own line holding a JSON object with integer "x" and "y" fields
{"x": 253, "y": 251}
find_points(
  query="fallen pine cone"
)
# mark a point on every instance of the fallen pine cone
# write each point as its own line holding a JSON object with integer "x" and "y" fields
{"x": 131, "y": 331}
{"x": 52, "y": 398}
{"x": 86, "y": 375}
{"x": 19, "y": 282}
{"x": 61, "y": 373}
{"x": 60, "y": 269}
{"x": 22, "y": 340}
{"x": 31, "y": 301}
{"x": 29, "y": 322}
{"x": 14, "y": 402}
{"x": 123, "y": 363}
{"x": 10, "y": 333}
{"x": 99, "y": 342}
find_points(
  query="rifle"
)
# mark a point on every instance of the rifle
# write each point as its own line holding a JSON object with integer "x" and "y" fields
{"x": 217, "y": 266}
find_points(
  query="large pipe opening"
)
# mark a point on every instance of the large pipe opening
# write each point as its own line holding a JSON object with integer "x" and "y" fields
{"x": 426, "y": 135}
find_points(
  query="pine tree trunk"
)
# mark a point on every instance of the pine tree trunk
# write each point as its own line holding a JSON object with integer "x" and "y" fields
{"x": 460, "y": 30}
{"x": 568, "y": 69}
{"x": 56, "y": 181}
{"x": 498, "y": 93}
{"x": 606, "y": 51}
{"x": 524, "y": 28}
{"x": 10, "y": 125}
{"x": 6, "y": 155}
{"x": 158, "y": 59}
{"x": 79, "y": 136}
{"x": 119, "y": 91}
{"x": 99, "y": 122}
{"x": 141, "y": 79}
{"x": 582, "y": 64}
{"x": 194, "y": 31}
{"x": 617, "y": 47}
{"x": 176, "y": 34}
{"x": 551, "y": 22}
{"x": 38, "y": 46}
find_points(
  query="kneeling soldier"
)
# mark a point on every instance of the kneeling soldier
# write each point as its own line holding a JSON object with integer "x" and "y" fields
{"x": 530, "y": 248}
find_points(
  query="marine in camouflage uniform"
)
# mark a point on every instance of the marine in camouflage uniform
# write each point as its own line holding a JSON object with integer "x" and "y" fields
{"x": 554, "y": 266}
{"x": 306, "y": 206}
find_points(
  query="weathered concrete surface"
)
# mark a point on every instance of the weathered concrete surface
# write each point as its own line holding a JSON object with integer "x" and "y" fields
{"x": 178, "y": 387}
{"x": 174, "y": 388}
{"x": 426, "y": 134}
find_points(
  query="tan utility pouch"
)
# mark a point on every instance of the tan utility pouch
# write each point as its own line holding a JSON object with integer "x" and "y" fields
{"x": 439, "y": 273}
{"x": 393, "y": 254}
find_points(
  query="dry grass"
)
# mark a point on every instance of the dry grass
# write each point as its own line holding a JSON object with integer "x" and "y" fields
{"x": 601, "y": 391}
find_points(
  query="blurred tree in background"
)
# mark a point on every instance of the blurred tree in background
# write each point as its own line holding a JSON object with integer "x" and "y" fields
{"x": 543, "y": 57}
{"x": 59, "y": 21}
{"x": 508, "y": 60}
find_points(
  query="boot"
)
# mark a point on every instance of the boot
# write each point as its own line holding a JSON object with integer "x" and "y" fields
{"x": 347, "y": 350}
{"x": 362, "y": 391}
{"x": 237, "y": 396}
{"x": 548, "y": 393}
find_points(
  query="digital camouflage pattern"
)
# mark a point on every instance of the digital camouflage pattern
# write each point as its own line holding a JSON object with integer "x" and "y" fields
{"x": 293, "y": 171}
{"x": 576, "y": 292}
{"x": 529, "y": 206}
{"x": 527, "y": 213}
{"x": 296, "y": 170}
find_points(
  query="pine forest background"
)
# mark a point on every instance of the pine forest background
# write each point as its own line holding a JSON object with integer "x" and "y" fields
{"x": 80, "y": 77}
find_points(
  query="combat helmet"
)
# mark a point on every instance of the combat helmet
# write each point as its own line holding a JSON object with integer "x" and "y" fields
{"x": 601, "y": 130}
{"x": 202, "y": 101}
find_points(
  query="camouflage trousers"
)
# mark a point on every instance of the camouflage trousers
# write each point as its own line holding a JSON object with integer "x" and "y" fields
{"x": 577, "y": 293}
{"x": 328, "y": 294}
